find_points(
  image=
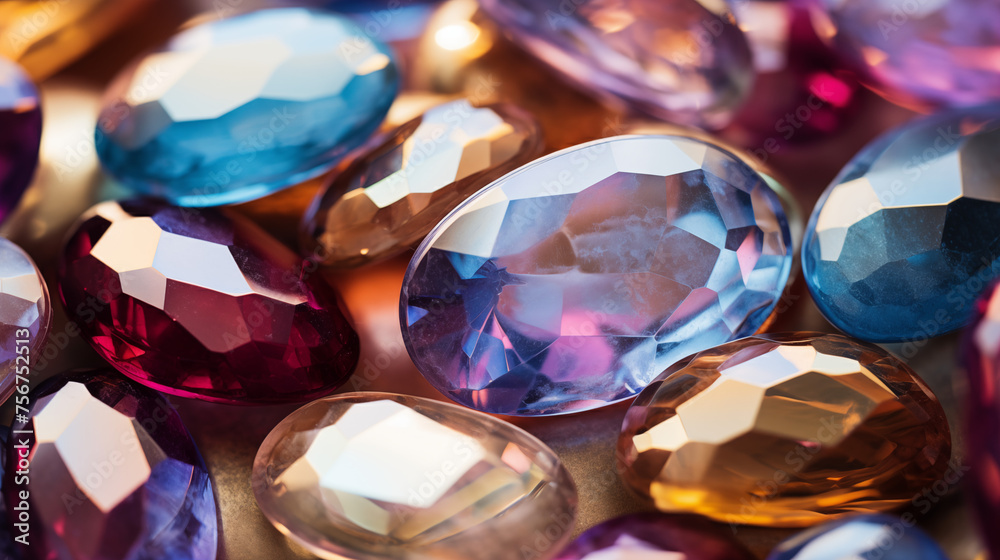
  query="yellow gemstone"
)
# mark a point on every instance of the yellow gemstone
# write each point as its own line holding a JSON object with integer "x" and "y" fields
{"x": 373, "y": 476}
{"x": 785, "y": 430}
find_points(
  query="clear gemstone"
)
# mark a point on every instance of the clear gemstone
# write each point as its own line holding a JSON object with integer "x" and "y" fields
{"x": 860, "y": 536}
{"x": 908, "y": 233}
{"x": 389, "y": 198}
{"x": 785, "y": 430}
{"x": 370, "y": 476}
{"x": 114, "y": 475}
{"x": 235, "y": 109}
{"x": 25, "y": 312}
{"x": 573, "y": 281}
{"x": 20, "y": 134}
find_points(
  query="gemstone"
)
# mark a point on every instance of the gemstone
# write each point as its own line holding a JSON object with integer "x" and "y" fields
{"x": 652, "y": 536}
{"x": 981, "y": 358}
{"x": 234, "y": 109}
{"x": 112, "y": 474}
{"x": 21, "y": 126}
{"x": 369, "y": 476}
{"x": 573, "y": 281}
{"x": 938, "y": 53}
{"x": 861, "y": 536}
{"x": 908, "y": 233}
{"x": 202, "y": 303}
{"x": 784, "y": 430}
{"x": 45, "y": 37}
{"x": 25, "y": 314}
{"x": 393, "y": 195}
{"x": 681, "y": 60}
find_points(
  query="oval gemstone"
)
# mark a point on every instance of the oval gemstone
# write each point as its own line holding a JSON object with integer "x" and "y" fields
{"x": 20, "y": 134}
{"x": 860, "y": 536}
{"x": 202, "y": 303}
{"x": 785, "y": 430}
{"x": 940, "y": 53}
{"x": 656, "y": 536}
{"x": 234, "y": 109}
{"x": 25, "y": 314}
{"x": 621, "y": 47}
{"x": 391, "y": 197}
{"x": 113, "y": 475}
{"x": 906, "y": 236}
{"x": 369, "y": 476}
{"x": 574, "y": 281}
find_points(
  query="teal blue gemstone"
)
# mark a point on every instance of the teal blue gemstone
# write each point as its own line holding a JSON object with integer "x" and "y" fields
{"x": 235, "y": 109}
{"x": 861, "y": 537}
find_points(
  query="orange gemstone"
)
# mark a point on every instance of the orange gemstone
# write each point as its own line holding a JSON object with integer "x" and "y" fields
{"x": 785, "y": 430}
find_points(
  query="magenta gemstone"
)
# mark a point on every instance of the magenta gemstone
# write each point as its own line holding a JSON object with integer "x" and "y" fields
{"x": 656, "y": 535}
{"x": 112, "y": 474}
{"x": 202, "y": 303}
{"x": 20, "y": 134}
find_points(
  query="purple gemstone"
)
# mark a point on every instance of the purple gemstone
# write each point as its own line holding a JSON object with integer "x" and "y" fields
{"x": 20, "y": 134}
{"x": 25, "y": 313}
{"x": 656, "y": 535}
{"x": 113, "y": 475}
{"x": 919, "y": 53}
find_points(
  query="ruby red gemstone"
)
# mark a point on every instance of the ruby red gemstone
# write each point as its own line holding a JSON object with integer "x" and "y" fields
{"x": 202, "y": 303}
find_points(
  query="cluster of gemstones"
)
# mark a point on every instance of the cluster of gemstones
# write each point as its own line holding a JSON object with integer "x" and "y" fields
{"x": 642, "y": 274}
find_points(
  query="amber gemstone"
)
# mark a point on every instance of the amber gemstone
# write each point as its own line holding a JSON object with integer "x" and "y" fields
{"x": 785, "y": 430}
{"x": 391, "y": 197}
{"x": 368, "y": 476}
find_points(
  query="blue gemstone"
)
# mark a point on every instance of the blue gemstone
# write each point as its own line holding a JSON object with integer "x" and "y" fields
{"x": 862, "y": 537}
{"x": 908, "y": 234}
{"x": 575, "y": 280}
{"x": 232, "y": 110}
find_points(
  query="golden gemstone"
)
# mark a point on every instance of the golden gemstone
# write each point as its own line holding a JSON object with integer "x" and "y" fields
{"x": 785, "y": 430}
{"x": 374, "y": 476}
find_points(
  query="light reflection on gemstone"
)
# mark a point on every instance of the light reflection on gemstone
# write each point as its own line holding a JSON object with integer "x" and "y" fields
{"x": 372, "y": 475}
{"x": 25, "y": 312}
{"x": 860, "y": 536}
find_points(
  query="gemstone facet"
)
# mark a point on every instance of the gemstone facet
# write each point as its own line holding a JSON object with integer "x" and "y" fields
{"x": 784, "y": 430}
{"x": 908, "y": 233}
{"x": 682, "y": 60}
{"x": 860, "y": 536}
{"x": 235, "y": 109}
{"x": 371, "y": 475}
{"x": 391, "y": 197}
{"x": 574, "y": 281}
{"x": 202, "y": 303}
{"x": 25, "y": 314}
{"x": 938, "y": 53}
{"x": 114, "y": 474}
{"x": 20, "y": 134}
{"x": 655, "y": 536}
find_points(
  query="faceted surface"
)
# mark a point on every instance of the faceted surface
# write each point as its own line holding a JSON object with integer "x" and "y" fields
{"x": 575, "y": 280}
{"x": 862, "y": 537}
{"x": 391, "y": 197}
{"x": 940, "y": 53}
{"x": 656, "y": 536}
{"x": 114, "y": 474}
{"x": 202, "y": 303}
{"x": 20, "y": 134}
{"x": 908, "y": 233}
{"x": 371, "y": 475}
{"x": 25, "y": 313}
{"x": 234, "y": 109}
{"x": 981, "y": 358}
{"x": 784, "y": 430}
{"x": 682, "y": 60}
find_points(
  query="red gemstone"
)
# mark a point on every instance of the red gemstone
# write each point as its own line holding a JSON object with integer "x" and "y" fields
{"x": 202, "y": 303}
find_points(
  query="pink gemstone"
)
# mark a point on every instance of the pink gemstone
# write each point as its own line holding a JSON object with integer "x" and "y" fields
{"x": 202, "y": 303}
{"x": 656, "y": 535}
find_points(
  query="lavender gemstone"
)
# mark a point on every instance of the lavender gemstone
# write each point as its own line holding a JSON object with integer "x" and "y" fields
{"x": 572, "y": 282}
{"x": 25, "y": 313}
{"x": 114, "y": 474}
{"x": 20, "y": 134}
{"x": 918, "y": 52}
{"x": 682, "y": 60}
{"x": 656, "y": 535}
